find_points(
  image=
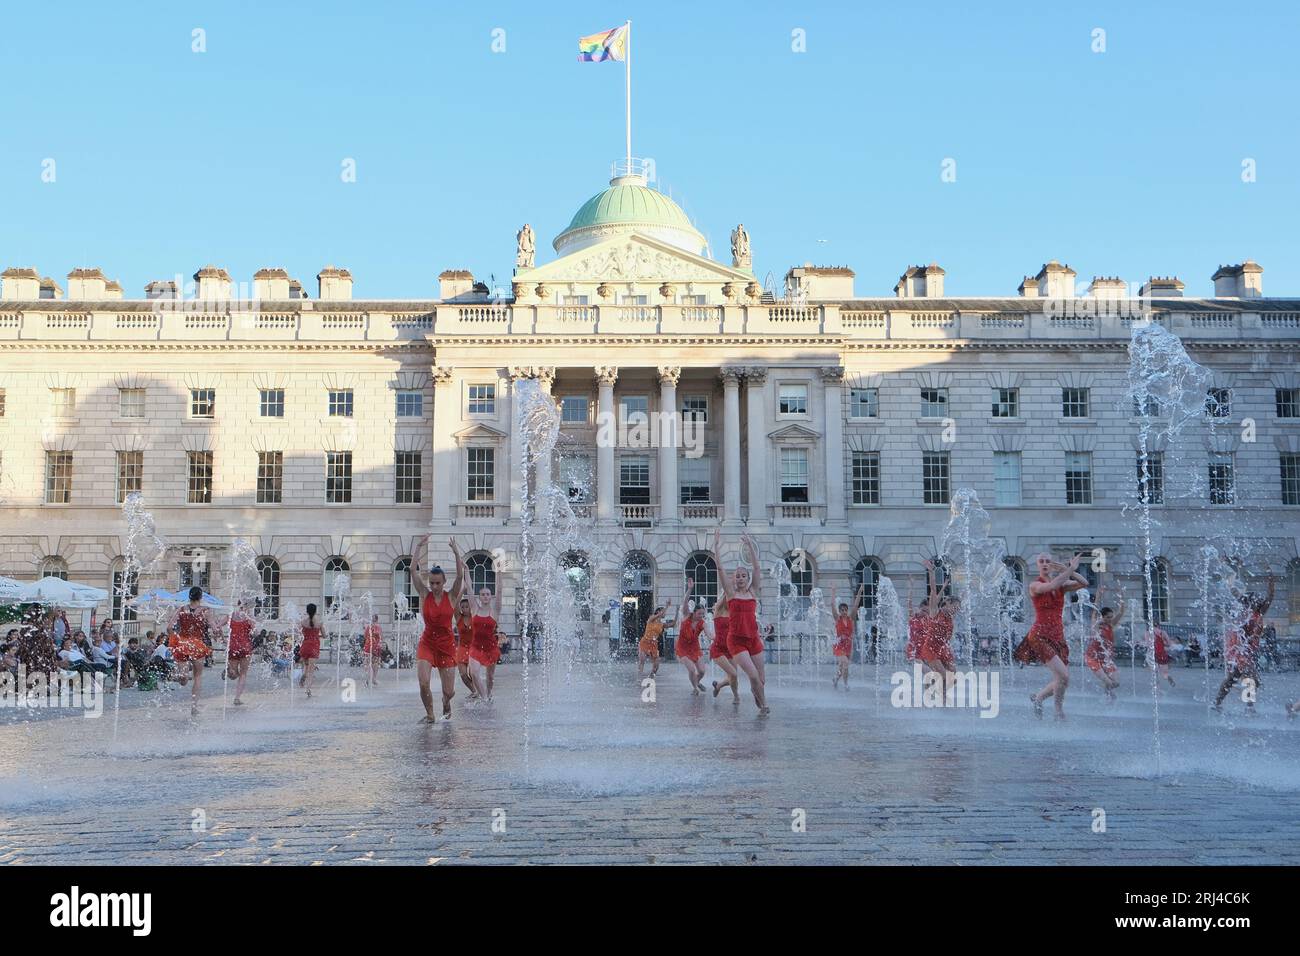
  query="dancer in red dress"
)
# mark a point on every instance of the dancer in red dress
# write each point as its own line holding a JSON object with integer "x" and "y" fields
{"x": 1045, "y": 642}
{"x": 190, "y": 643}
{"x": 437, "y": 647}
{"x": 373, "y": 648}
{"x": 743, "y": 640}
{"x": 1099, "y": 655}
{"x": 720, "y": 654}
{"x": 484, "y": 650}
{"x": 1160, "y": 646}
{"x": 687, "y": 645}
{"x": 309, "y": 649}
{"x": 846, "y": 618}
{"x": 1241, "y": 653}
{"x": 239, "y": 651}
{"x": 464, "y": 637}
{"x": 918, "y": 623}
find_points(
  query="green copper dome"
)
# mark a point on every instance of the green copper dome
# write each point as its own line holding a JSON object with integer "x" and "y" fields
{"x": 629, "y": 205}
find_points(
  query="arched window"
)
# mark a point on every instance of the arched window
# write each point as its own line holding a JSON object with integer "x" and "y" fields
{"x": 406, "y": 603}
{"x": 482, "y": 572}
{"x": 801, "y": 573}
{"x": 703, "y": 570}
{"x": 577, "y": 570}
{"x": 53, "y": 567}
{"x": 867, "y": 572}
{"x": 1159, "y": 595}
{"x": 638, "y": 572}
{"x": 1013, "y": 589}
{"x": 268, "y": 605}
{"x": 331, "y": 582}
{"x": 942, "y": 576}
{"x": 123, "y": 586}
{"x": 1293, "y": 590}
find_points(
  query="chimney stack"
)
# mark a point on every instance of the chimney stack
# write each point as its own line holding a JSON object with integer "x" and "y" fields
{"x": 920, "y": 282}
{"x": 50, "y": 289}
{"x": 20, "y": 284}
{"x": 87, "y": 285}
{"x": 161, "y": 289}
{"x": 1161, "y": 287}
{"x": 335, "y": 284}
{"x": 1108, "y": 287}
{"x": 272, "y": 284}
{"x": 1242, "y": 281}
{"x": 211, "y": 282}
{"x": 454, "y": 283}
{"x": 1055, "y": 281}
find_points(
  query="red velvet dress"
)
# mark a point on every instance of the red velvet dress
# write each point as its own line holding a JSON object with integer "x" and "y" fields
{"x": 1046, "y": 638}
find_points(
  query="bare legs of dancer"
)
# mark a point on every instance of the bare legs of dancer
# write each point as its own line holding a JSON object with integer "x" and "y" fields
{"x": 308, "y": 674}
{"x": 1055, "y": 688}
{"x": 238, "y": 670}
{"x": 694, "y": 673}
{"x": 732, "y": 681}
{"x": 447, "y": 677}
{"x": 753, "y": 668}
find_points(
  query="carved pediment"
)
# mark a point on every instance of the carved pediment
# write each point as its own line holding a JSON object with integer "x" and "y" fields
{"x": 794, "y": 435}
{"x": 478, "y": 434}
{"x": 633, "y": 258}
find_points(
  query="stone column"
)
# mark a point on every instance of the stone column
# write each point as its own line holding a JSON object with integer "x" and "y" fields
{"x": 731, "y": 445}
{"x": 668, "y": 439}
{"x": 606, "y": 441}
{"x": 546, "y": 376}
{"x": 833, "y": 442}
{"x": 755, "y": 379}
{"x": 446, "y": 454}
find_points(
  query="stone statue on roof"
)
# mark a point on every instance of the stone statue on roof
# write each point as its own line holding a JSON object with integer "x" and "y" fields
{"x": 526, "y": 253}
{"x": 740, "y": 255}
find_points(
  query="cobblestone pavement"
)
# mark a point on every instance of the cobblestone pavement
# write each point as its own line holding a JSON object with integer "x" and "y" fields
{"x": 589, "y": 773}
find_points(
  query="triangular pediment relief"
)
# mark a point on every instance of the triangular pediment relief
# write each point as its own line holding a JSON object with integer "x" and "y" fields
{"x": 794, "y": 433}
{"x": 633, "y": 258}
{"x": 479, "y": 433}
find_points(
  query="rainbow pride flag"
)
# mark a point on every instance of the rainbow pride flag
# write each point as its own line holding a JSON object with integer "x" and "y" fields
{"x": 607, "y": 45}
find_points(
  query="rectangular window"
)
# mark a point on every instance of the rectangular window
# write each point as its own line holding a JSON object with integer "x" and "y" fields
{"x": 271, "y": 403}
{"x": 634, "y": 408}
{"x": 1151, "y": 478}
{"x": 575, "y": 477}
{"x": 864, "y": 403}
{"x": 58, "y": 477}
{"x": 1006, "y": 403}
{"x": 634, "y": 300}
{"x": 1006, "y": 478}
{"x": 865, "y": 478}
{"x": 793, "y": 399}
{"x": 695, "y": 408}
{"x": 198, "y": 483}
{"x": 1288, "y": 402}
{"x": 408, "y": 471}
{"x": 934, "y": 403}
{"x": 270, "y": 477}
{"x": 338, "y": 477}
{"x": 410, "y": 403}
{"x": 1078, "y": 478}
{"x": 935, "y": 478}
{"x": 482, "y": 399}
{"x": 634, "y": 480}
{"x": 1150, "y": 408}
{"x": 573, "y": 409}
{"x": 794, "y": 475}
{"x": 130, "y": 403}
{"x": 695, "y": 481}
{"x": 130, "y": 473}
{"x": 64, "y": 402}
{"x": 481, "y": 475}
{"x": 340, "y": 403}
{"x": 573, "y": 300}
{"x": 1222, "y": 484}
{"x": 1291, "y": 481}
{"x": 203, "y": 403}
{"x": 1074, "y": 403}
{"x": 1218, "y": 403}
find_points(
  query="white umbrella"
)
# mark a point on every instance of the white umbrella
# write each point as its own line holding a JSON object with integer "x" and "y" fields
{"x": 56, "y": 591}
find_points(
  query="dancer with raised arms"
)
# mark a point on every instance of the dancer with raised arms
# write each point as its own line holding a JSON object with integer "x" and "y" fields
{"x": 465, "y": 635}
{"x": 687, "y": 647}
{"x": 743, "y": 640}
{"x": 1045, "y": 642}
{"x": 720, "y": 654}
{"x": 648, "y": 647}
{"x": 437, "y": 648}
{"x": 373, "y": 649}
{"x": 484, "y": 651}
{"x": 846, "y": 617}
{"x": 1099, "y": 655}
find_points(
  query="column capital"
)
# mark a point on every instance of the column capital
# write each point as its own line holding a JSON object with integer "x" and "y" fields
{"x": 756, "y": 374}
{"x": 543, "y": 373}
{"x": 730, "y": 374}
{"x": 669, "y": 374}
{"x": 833, "y": 374}
{"x": 441, "y": 374}
{"x": 606, "y": 375}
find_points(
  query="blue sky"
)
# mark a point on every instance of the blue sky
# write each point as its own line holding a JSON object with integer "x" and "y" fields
{"x": 1126, "y": 162}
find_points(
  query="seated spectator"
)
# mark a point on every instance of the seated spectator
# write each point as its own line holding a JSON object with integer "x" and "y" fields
{"x": 74, "y": 660}
{"x": 283, "y": 659}
{"x": 9, "y": 654}
{"x": 134, "y": 661}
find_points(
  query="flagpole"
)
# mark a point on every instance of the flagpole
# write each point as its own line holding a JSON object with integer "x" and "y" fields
{"x": 627, "y": 62}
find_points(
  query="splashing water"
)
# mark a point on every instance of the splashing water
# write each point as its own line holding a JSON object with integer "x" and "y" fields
{"x": 977, "y": 563}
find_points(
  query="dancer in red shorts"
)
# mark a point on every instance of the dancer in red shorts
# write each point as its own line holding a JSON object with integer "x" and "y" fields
{"x": 846, "y": 618}
{"x": 484, "y": 650}
{"x": 743, "y": 640}
{"x": 687, "y": 645}
{"x": 191, "y": 644}
{"x": 1241, "y": 653}
{"x": 464, "y": 637}
{"x": 1099, "y": 655}
{"x": 1045, "y": 642}
{"x": 437, "y": 648}
{"x": 309, "y": 649}
{"x": 373, "y": 648}
{"x": 239, "y": 651}
{"x": 719, "y": 653}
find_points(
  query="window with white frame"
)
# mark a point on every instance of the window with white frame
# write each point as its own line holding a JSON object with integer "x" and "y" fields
{"x": 695, "y": 408}
{"x": 340, "y": 403}
{"x": 575, "y": 477}
{"x": 634, "y": 409}
{"x": 267, "y": 604}
{"x": 633, "y": 300}
{"x": 934, "y": 403}
{"x": 1146, "y": 407}
{"x": 634, "y": 480}
{"x": 1222, "y": 480}
{"x": 64, "y": 402}
{"x": 935, "y": 478}
{"x": 692, "y": 300}
{"x": 482, "y": 572}
{"x": 1078, "y": 478}
{"x": 1006, "y": 479}
{"x": 203, "y": 403}
{"x": 270, "y": 402}
{"x": 694, "y": 481}
{"x": 480, "y": 474}
{"x": 270, "y": 477}
{"x": 864, "y": 403}
{"x": 408, "y": 470}
{"x": 130, "y": 473}
{"x": 794, "y": 475}
{"x": 1151, "y": 478}
{"x": 573, "y": 300}
{"x": 866, "y": 575}
{"x": 334, "y": 579}
{"x": 792, "y": 398}
{"x": 53, "y": 567}
{"x": 410, "y": 403}
{"x": 865, "y": 477}
{"x": 198, "y": 485}
{"x": 130, "y": 402}
{"x": 124, "y": 586}
{"x": 338, "y": 477}
{"x": 1006, "y": 403}
{"x": 1218, "y": 403}
{"x": 1075, "y": 403}
{"x": 482, "y": 399}
{"x": 573, "y": 410}
{"x": 1290, "y": 466}
{"x": 1157, "y": 608}
{"x": 58, "y": 477}
{"x": 703, "y": 570}
{"x": 406, "y": 601}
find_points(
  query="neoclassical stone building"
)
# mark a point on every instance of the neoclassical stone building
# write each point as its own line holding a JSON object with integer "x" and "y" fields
{"x": 333, "y": 432}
